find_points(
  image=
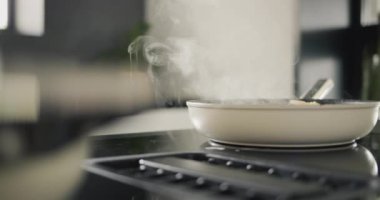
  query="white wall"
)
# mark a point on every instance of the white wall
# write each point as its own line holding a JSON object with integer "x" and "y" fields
{"x": 230, "y": 49}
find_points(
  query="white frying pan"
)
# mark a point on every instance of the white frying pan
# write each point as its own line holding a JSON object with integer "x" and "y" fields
{"x": 284, "y": 122}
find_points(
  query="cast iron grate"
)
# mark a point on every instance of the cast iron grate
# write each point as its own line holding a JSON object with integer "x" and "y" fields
{"x": 211, "y": 176}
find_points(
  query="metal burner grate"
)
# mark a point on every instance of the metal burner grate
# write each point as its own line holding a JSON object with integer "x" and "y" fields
{"x": 211, "y": 176}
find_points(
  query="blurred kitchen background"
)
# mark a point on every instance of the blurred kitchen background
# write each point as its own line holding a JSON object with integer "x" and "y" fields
{"x": 65, "y": 70}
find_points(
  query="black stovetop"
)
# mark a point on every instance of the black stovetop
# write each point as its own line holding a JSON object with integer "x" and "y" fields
{"x": 152, "y": 162}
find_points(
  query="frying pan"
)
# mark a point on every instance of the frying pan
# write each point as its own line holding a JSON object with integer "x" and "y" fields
{"x": 284, "y": 122}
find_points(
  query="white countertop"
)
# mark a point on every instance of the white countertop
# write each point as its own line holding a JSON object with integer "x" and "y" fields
{"x": 162, "y": 119}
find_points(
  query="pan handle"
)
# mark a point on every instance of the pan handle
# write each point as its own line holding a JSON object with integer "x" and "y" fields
{"x": 319, "y": 90}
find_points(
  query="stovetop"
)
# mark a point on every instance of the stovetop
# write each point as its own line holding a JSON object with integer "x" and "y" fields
{"x": 184, "y": 164}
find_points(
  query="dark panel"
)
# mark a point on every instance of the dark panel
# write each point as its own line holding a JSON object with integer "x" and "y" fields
{"x": 77, "y": 29}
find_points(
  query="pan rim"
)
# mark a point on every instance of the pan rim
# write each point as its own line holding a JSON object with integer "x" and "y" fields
{"x": 325, "y": 105}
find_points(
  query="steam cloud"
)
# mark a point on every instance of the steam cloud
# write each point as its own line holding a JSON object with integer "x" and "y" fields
{"x": 221, "y": 49}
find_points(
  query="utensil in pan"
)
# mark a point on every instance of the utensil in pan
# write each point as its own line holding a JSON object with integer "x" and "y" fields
{"x": 319, "y": 90}
{"x": 283, "y": 123}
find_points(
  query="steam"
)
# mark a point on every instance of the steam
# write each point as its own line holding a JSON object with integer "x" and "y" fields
{"x": 155, "y": 52}
{"x": 181, "y": 69}
{"x": 166, "y": 77}
{"x": 220, "y": 49}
